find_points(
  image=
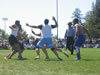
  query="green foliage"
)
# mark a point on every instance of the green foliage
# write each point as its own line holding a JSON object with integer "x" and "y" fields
{"x": 88, "y": 65}
{"x": 77, "y": 14}
{"x": 23, "y": 33}
{"x": 3, "y": 34}
{"x": 93, "y": 21}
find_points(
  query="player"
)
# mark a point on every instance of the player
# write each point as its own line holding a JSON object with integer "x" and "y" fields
{"x": 46, "y": 38}
{"x": 54, "y": 49}
{"x": 14, "y": 43}
{"x": 79, "y": 36}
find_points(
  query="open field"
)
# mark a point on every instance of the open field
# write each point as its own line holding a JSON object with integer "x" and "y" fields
{"x": 88, "y": 65}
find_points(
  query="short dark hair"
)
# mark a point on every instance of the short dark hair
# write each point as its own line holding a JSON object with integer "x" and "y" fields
{"x": 17, "y": 22}
{"x": 76, "y": 20}
{"x": 46, "y": 21}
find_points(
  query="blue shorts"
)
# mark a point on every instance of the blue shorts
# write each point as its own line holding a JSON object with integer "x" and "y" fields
{"x": 80, "y": 40}
{"x": 45, "y": 41}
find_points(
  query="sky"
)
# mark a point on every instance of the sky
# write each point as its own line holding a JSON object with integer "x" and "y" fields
{"x": 35, "y": 11}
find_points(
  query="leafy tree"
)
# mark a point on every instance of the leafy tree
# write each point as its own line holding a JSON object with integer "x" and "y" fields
{"x": 77, "y": 14}
{"x": 93, "y": 20}
{"x": 3, "y": 34}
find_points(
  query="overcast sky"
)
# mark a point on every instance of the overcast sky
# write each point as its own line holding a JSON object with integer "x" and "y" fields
{"x": 35, "y": 11}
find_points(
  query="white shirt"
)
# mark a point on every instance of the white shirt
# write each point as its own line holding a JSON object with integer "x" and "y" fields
{"x": 14, "y": 32}
{"x": 46, "y": 31}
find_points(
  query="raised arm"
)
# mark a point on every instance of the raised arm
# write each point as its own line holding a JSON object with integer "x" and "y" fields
{"x": 56, "y": 24}
{"x": 13, "y": 27}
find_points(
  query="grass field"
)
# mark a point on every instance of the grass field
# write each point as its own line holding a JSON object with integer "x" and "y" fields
{"x": 88, "y": 65}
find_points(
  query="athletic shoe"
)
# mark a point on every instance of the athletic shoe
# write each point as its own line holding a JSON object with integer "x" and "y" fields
{"x": 78, "y": 58}
{"x": 60, "y": 59}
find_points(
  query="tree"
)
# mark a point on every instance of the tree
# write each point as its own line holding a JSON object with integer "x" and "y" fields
{"x": 93, "y": 20}
{"x": 3, "y": 34}
{"x": 77, "y": 14}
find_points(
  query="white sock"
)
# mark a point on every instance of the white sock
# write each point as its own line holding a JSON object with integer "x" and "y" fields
{"x": 77, "y": 49}
{"x": 63, "y": 52}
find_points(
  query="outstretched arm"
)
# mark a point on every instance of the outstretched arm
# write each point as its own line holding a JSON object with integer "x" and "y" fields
{"x": 35, "y": 33}
{"x": 31, "y": 26}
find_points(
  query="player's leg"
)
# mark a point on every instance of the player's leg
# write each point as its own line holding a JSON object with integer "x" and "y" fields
{"x": 57, "y": 49}
{"x": 38, "y": 54}
{"x": 54, "y": 51}
{"x": 45, "y": 51}
{"x": 19, "y": 51}
{"x": 78, "y": 43}
{"x": 12, "y": 53}
{"x": 12, "y": 42}
{"x": 68, "y": 44}
{"x": 78, "y": 53}
{"x": 41, "y": 44}
{"x": 72, "y": 45}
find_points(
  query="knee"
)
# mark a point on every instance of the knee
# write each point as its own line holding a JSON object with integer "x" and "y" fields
{"x": 77, "y": 49}
{"x": 52, "y": 49}
{"x": 44, "y": 47}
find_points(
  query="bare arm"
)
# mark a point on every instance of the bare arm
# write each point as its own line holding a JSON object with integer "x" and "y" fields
{"x": 13, "y": 27}
{"x": 87, "y": 33}
{"x": 56, "y": 24}
{"x": 35, "y": 33}
{"x": 31, "y": 26}
{"x": 20, "y": 28}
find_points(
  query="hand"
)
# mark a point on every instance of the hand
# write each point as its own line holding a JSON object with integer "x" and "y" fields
{"x": 53, "y": 18}
{"x": 27, "y": 24}
{"x": 32, "y": 31}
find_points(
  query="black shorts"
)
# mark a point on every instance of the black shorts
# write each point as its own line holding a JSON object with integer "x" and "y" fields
{"x": 12, "y": 40}
{"x": 21, "y": 45}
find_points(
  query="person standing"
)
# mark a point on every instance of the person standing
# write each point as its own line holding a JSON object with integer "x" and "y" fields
{"x": 69, "y": 37}
{"x": 46, "y": 35}
{"x": 79, "y": 36}
{"x": 54, "y": 48}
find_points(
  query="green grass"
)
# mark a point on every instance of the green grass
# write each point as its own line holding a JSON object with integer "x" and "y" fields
{"x": 88, "y": 65}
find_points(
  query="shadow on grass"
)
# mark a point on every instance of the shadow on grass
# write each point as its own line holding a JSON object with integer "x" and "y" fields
{"x": 52, "y": 59}
{"x": 91, "y": 59}
{"x": 22, "y": 59}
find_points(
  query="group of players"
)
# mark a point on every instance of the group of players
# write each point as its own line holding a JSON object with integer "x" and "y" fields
{"x": 46, "y": 39}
